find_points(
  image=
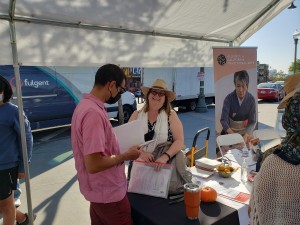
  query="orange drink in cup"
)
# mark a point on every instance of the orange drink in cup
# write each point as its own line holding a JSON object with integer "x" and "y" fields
{"x": 192, "y": 200}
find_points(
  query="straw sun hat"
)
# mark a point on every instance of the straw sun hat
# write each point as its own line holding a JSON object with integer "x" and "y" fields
{"x": 291, "y": 86}
{"x": 161, "y": 85}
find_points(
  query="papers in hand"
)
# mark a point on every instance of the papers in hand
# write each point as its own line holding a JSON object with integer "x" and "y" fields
{"x": 209, "y": 164}
{"x": 146, "y": 143}
{"x": 130, "y": 134}
{"x": 146, "y": 179}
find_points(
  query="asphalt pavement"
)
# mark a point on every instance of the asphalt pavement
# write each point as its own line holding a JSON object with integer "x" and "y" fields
{"x": 56, "y": 198}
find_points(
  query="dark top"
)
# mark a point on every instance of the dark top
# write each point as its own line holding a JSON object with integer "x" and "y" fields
{"x": 232, "y": 109}
{"x": 151, "y": 127}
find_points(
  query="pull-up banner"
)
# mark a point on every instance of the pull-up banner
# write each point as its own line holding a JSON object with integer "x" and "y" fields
{"x": 235, "y": 89}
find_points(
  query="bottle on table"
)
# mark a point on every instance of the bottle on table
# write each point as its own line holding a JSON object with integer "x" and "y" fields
{"x": 244, "y": 166}
{"x": 244, "y": 171}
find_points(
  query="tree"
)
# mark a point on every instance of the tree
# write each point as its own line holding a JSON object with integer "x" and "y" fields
{"x": 291, "y": 68}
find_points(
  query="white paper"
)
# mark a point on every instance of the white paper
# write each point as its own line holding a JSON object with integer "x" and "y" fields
{"x": 207, "y": 163}
{"x": 265, "y": 145}
{"x": 145, "y": 179}
{"x": 130, "y": 134}
{"x": 235, "y": 155}
{"x": 146, "y": 143}
{"x": 201, "y": 173}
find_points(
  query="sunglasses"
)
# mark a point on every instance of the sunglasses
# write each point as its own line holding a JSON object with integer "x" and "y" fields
{"x": 160, "y": 94}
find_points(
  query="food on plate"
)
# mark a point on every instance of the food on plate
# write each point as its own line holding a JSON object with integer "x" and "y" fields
{"x": 225, "y": 170}
{"x": 208, "y": 194}
{"x": 221, "y": 168}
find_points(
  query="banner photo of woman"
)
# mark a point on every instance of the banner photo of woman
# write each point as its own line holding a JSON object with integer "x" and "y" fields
{"x": 235, "y": 90}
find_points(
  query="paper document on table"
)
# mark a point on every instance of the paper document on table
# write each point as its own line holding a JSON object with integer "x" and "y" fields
{"x": 235, "y": 155}
{"x": 201, "y": 173}
{"x": 234, "y": 195}
{"x": 207, "y": 163}
{"x": 145, "y": 179}
{"x": 130, "y": 134}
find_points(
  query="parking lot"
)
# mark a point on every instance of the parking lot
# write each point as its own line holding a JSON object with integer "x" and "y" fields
{"x": 55, "y": 193}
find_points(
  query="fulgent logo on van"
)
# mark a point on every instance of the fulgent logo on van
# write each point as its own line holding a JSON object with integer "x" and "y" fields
{"x": 29, "y": 83}
{"x": 36, "y": 83}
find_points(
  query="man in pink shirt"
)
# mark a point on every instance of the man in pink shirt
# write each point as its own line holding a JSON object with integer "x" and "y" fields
{"x": 99, "y": 164}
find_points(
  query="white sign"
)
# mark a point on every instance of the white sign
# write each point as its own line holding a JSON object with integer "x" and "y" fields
{"x": 200, "y": 75}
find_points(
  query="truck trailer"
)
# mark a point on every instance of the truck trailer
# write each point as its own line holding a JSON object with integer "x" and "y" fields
{"x": 185, "y": 82}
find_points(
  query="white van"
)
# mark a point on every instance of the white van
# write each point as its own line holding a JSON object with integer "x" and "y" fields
{"x": 80, "y": 80}
{"x": 50, "y": 94}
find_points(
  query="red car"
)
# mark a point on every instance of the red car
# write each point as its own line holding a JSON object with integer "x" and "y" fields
{"x": 270, "y": 91}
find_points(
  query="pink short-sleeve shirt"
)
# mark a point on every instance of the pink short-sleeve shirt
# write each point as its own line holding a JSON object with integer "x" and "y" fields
{"x": 92, "y": 132}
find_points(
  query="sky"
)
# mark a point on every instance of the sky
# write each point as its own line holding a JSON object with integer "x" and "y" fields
{"x": 274, "y": 41}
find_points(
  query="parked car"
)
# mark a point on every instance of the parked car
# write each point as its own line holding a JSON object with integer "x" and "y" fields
{"x": 280, "y": 82}
{"x": 138, "y": 92}
{"x": 278, "y": 126}
{"x": 270, "y": 91}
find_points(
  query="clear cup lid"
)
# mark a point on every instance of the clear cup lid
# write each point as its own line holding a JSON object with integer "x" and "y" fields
{"x": 190, "y": 187}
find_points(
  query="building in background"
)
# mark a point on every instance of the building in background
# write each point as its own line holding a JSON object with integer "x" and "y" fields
{"x": 133, "y": 75}
{"x": 262, "y": 73}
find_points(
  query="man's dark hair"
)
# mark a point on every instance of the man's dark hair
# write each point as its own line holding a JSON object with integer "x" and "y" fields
{"x": 242, "y": 76}
{"x": 5, "y": 86}
{"x": 108, "y": 73}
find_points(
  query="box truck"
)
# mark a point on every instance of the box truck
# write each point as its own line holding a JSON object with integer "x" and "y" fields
{"x": 185, "y": 82}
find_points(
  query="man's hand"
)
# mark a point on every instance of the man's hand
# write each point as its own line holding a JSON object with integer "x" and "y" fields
{"x": 133, "y": 153}
{"x": 21, "y": 175}
{"x": 98, "y": 162}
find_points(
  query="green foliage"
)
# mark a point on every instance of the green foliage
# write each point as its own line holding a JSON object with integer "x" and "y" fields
{"x": 278, "y": 76}
{"x": 291, "y": 68}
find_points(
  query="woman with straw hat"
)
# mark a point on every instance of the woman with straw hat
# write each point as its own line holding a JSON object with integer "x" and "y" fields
{"x": 161, "y": 122}
{"x": 275, "y": 197}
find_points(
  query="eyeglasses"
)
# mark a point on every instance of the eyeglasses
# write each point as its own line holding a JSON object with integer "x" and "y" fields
{"x": 123, "y": 90}
{"x": 160, "y": 94}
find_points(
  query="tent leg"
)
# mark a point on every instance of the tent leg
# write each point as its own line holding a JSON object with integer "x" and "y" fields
{"x": 20, "y": 107}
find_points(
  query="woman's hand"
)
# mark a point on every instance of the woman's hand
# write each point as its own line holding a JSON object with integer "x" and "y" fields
{"x": 229, "y": 131}
{"x": 146, "y": 156}
{"x": 248, "y": 138}
{"x": 163, "y": 159}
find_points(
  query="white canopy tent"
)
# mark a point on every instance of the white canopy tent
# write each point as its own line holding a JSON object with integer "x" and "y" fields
{"x": 175, "y": 33}
{"x": 129, "y": 33}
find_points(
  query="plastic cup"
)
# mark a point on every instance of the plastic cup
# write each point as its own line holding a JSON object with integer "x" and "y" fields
{"x": 192, "y": 200}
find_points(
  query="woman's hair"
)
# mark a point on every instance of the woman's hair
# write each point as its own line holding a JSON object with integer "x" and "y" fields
{"x": 241, "y": 76}
{"x": 5, "y": 86}
{"x": 166, "y": 106}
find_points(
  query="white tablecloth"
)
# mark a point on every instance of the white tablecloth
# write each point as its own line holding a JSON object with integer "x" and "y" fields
{"x": 231, "y": 185}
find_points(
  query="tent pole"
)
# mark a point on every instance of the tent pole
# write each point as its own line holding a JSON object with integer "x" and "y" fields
{"x": 20, "y": 106}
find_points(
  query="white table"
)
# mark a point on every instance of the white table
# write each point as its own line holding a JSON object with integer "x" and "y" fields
{"x": 231, "y": 186}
